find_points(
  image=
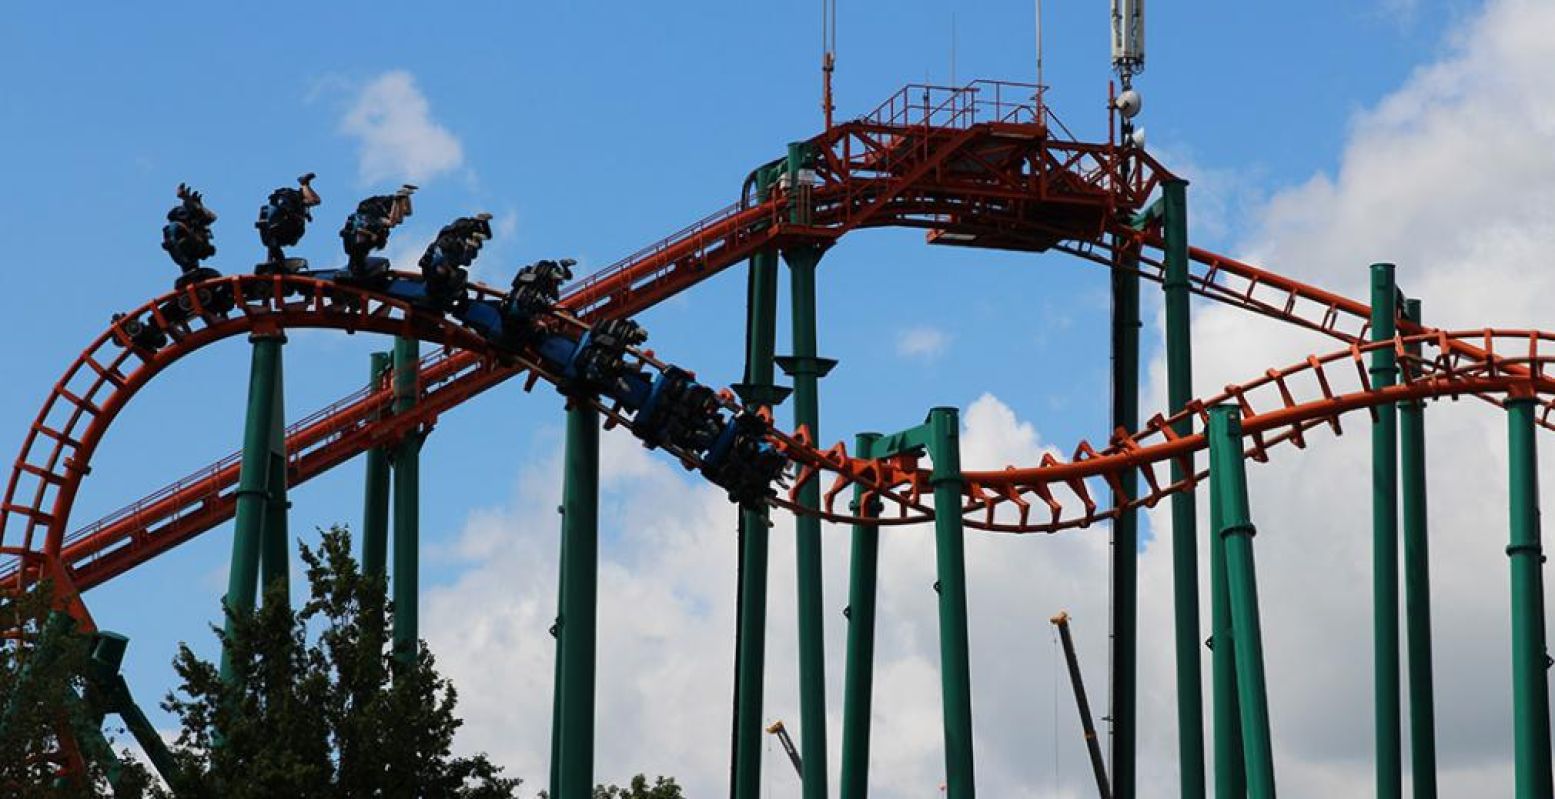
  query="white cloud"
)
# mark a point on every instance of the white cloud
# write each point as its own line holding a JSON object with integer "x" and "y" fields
{"x": 400, "y": 141}
{"x": 923, "y": 342}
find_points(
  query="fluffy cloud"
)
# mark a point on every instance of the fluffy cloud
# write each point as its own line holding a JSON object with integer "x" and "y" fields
{"x": 400, "y": 141}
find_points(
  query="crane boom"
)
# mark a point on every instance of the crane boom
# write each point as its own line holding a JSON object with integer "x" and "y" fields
{"x": 781, "y": 732}
{"x": 1061, "y": 621}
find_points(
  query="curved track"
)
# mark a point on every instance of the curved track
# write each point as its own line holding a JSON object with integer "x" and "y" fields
{"x": 973, "y": 166}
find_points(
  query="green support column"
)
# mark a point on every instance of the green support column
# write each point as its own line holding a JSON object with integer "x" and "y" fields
{"x": 1185, "y": 552}
{"x": 277, "y": 548}
{"x": 580, "y": 532}
{"x": 1125, "y": 528}
{"x": 859, "y": 675}
{"x": 560, "y": 678}
{"x": 1384, "y": 525}
{"x": 254, "y": 474}
{"x": 1417, "y": 587}
{"x": 375, "y": 507}
{"x": 407, "y": 506}
{"x": 1228, "y": 486}
{"x": 944, "y": 440}
{"x": 807, "y": 369}
{"x": 1530, "y": 686}
{"x": 757, "y": 390}
{"x": 1230, "y": 775}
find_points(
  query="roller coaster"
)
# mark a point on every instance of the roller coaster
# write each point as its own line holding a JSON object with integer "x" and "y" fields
{"x": 985, "y": 165}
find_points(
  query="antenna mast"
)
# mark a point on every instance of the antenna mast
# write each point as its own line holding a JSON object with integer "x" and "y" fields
{"x": 1128, "y": 60}
{"x": 828, "y": 55}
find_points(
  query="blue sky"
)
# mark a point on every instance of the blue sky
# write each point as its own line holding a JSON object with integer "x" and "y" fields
{"x": 590, "y": 130}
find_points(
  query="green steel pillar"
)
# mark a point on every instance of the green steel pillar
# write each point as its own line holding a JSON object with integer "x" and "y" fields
{"x": 1228, "y": 486}
{"x": 254, "y": 476}
{"x": 858, "y": 679}
{"x": 560, "y": 677}
{"x": 807, "y": 369}
{"x": 375, "y": 510}
{"x": 1417, "y": 588}
{"x": 580, "y": 531}
{"x": 407, "y": 506}
{"x": 1530, "y": 686}
{"x": 1230, "y": 773}
{"x": 275, "y": 563}
{"x": 1185, "y": 553}
{"x": 1384, "y": 525}
{"x": 950, "y": 558}
{"x": 1125, "y": 528}
{"x": 757, "y": 390}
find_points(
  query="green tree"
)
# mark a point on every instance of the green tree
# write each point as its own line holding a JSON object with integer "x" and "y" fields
{"x": 662, "y": 788}
{"x": 44, "y": 663}
{"x": 326, "y": 715}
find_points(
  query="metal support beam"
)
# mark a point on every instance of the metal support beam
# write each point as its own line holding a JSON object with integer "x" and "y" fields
{"x": 807, "y": 369}
{"x": 560, "y": 677}
{"x": 751, "y": 624}
{"x": 1230, "y": 774}
{"x": 944, "y": 444}
{"x": 1417, "y": 587}
{"x": 254, "y": 476}
{"x": 407, "y": 506}
{"x": 1228, "y": 491}
{"x": 1185, "y": 552}
{"x": 1125, "y": 527}
{"x": 1384, "y": 526}
{"x": 375, "y": 506}
{"x": 1530, "y": 658}
{"x": 580, "y": 532}
{"x": 276, "y": 545}
{"x": 859, "y": 674}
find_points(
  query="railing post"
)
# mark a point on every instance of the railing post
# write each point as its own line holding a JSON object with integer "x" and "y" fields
{"x": 1530, "y": 658}
{"x": 254, "y": 476}
{"x": 1384, "y": 520}
{"x": 1125, "y": 527}
{"x": 1228, "y": 486}
{"x": 1417, "y": 586}
{"x": 858, "y": 678}
{"x": 950, "y": 559}
{"x": 1185, "y": 554}
{"x": 580, "y": 531}
{"x": 407, "y": 506}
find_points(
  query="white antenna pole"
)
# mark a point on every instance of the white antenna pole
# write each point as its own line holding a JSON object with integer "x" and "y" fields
{"x": 1039, "y": 44}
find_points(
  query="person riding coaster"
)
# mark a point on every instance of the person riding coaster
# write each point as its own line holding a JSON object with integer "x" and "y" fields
{"x": 368, "y": 229}
{"x": 444, "y": 265}
{"x": 187, "y": 236}
{"x": 282, "y": 222}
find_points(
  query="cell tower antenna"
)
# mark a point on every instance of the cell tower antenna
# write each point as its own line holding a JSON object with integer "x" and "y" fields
{"x": 1128, "y": 60}
{"x": 828, "y": 56}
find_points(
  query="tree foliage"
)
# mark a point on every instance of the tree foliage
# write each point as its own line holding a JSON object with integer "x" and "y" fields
{"x": 43, "y": 668}
{"x": 326, "y": 715}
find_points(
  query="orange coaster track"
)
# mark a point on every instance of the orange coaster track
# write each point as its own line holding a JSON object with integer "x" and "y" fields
{"x": 976, "y": 166}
